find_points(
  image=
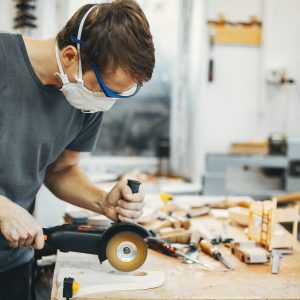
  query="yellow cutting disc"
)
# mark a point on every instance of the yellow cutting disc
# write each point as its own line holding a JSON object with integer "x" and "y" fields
{"x": 126, "y": 251}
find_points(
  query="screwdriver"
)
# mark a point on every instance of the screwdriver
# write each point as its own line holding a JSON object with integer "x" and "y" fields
{"x": 214, "y": 252}
{"x": 164, "y": 247}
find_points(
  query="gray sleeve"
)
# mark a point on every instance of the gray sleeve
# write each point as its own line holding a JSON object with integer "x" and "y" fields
{"x": 86, "y": 139}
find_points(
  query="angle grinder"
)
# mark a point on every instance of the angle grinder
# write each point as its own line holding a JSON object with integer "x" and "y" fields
{"x": 122, "y": 244}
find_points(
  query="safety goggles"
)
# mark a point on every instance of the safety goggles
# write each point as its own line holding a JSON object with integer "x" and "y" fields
{"x": 106, "y": 90}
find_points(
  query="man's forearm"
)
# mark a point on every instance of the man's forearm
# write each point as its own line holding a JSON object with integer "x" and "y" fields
{"x": 72, "y": 185}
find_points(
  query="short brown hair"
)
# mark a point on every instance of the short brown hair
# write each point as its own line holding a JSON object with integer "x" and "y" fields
{"x": 116, "y": 34}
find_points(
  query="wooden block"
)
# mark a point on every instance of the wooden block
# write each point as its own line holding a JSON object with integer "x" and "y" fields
{"x": 165, "y": 224}
{"x": 171, "y": 230}
{"x": 239, "y": 215}
{"x": 250, "y": 252}
{"x": 181, "y": 237}
{"x": 250, "y": 148}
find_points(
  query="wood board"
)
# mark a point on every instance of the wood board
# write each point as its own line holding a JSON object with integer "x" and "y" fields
{"x": 105, "y": 279}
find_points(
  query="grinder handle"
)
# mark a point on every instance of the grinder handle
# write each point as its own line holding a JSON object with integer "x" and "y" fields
{"x": 134, "y": 185}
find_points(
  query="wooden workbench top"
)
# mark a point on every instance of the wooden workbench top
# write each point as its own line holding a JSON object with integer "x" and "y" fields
{"x": 188, "y": 281}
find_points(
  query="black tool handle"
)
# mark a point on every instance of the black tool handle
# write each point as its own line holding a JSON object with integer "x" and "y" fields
{"x": 134, "y": 185}
{"x": 73, "y": 238}
{"x": 161, "y": 246}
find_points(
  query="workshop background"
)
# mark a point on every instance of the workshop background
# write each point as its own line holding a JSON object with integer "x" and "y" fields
{"x": 180, "y": 106}
{"x": 220, "y": 116}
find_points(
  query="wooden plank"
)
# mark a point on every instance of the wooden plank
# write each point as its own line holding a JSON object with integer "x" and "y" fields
{"x": 288, "y": 197}
{"x": 234, "y": 35}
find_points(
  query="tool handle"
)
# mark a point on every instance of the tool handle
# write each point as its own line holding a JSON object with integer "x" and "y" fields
{"x": 72, "y": 238}
{"x": 276, "y": 257}
{"x": 134, "y": 185}
{"x": 208, "y": 248}
{"x": 182, "y": 237}
{"x": 199, "y": 213}
{"x": 195, "y": 238}
{"x": 161, "y": 246}
{"x": 275, "y": 264}
{"x": 163, "y": 225}
{"x": 186, "y": 224}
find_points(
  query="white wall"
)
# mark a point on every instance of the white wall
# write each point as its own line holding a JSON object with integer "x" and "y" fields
{"x": 6, "y": 13}
{"x": 281, "y": 106}
{"x": 229, "y": 107}
{"x": 239, "y": 105}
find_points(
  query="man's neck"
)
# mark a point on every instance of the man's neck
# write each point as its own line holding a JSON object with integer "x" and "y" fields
{"x": 42, "y": 57}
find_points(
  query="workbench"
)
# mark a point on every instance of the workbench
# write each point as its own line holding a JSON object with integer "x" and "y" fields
{"x": 189, "y": 281}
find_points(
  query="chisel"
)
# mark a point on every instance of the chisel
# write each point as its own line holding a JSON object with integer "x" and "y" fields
{"x": 214, "y": 252}
{"x": 164, "y": 247}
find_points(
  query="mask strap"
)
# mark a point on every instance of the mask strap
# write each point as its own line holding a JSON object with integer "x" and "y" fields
{"x": 63, "y": 76}
{"x": 79, "y": 37}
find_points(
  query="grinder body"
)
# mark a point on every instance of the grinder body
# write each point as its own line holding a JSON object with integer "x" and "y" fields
{"x": 84, "y": 239}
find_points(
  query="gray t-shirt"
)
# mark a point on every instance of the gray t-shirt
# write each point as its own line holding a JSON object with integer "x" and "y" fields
{"x": 36, "y": 125}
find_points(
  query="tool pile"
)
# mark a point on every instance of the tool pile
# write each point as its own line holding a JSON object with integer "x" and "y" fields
{"x": 174, "y": 234}
{"x": 182, "y": 243}
{"x": 173, "y": 231}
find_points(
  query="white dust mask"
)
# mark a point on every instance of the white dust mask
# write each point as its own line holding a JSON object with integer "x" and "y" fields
{"x": 76, "y": 93}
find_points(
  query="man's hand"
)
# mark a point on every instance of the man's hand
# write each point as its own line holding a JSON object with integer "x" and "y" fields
{"x": 121, "y": 204}
{"x": 18, "y": 226}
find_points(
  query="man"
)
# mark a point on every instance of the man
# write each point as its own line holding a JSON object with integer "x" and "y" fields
{"x": 52, "y": 97}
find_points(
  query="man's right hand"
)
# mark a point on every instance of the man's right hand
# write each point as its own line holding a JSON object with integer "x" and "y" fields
{"x": 18, "y": 226}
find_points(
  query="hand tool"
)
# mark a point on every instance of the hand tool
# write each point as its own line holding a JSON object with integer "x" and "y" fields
{"x": 194, "y": 214}
{"x": 192, "y": 251}
{"x": 171, "y": 230}
{"x": 122, "y": 244}
{"x": 166, "y": 248}
{"x": 213, "y": 236}
{"x": 214, "y": 252}
{"x": 276, "y": 257}
{"x": 166, "y": 224}
{"x": 178, "y": 235}
{"x": 181, "y": 237}
{"x": 195, "y": 239}
{"x": 173, "y": 222}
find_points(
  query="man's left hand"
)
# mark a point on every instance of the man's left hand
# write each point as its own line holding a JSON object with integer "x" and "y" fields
{"x": 121, "y": 204}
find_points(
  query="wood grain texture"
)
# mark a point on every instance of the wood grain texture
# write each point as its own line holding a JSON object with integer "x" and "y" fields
{"x": 184, "y": 281}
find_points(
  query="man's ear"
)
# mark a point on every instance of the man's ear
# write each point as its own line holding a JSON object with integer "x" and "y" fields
{"x": 69, "y": 54}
